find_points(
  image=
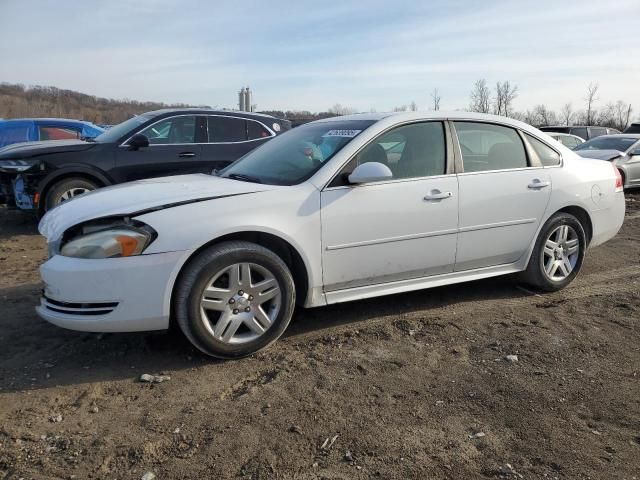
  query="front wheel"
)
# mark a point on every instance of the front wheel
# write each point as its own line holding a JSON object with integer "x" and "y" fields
{"x": 67, "y": 189}
{"x": 234, "y": 299}
{"x": 558, "y": 253}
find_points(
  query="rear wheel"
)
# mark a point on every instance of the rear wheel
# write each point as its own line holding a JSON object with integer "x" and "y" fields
{"x": 234, "y": 299}
{"x": 67, "y": 189}
{"x": 558, "y": 253}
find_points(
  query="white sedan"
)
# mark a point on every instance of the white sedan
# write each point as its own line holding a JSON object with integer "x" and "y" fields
{"x": 336, "y": 210}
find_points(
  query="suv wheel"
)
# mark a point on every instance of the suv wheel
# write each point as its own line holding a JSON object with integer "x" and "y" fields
{"x": 66, "y": 190}
{"x": 234, "y": 299}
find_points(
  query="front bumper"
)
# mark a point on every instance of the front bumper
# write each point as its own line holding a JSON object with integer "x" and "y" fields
{"x": 109, "y": 295}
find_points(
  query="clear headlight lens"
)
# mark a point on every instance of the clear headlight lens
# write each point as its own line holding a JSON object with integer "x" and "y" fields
{"x": 119, "y": 242}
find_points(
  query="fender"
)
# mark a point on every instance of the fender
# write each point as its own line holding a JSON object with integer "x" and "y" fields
{"x": 71, "y": 170}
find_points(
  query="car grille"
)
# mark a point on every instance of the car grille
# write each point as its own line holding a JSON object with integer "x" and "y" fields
{"x": 78, "y": 308}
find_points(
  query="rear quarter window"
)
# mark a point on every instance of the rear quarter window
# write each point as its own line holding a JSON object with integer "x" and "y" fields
{"x": 547, "y": 155}
{"x": 256, "y": 130}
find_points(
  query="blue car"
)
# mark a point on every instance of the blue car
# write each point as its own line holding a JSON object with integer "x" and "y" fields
{"x": 39, "y": 129}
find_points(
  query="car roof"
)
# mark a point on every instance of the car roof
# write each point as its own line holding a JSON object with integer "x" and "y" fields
{"x": 432, "y": 115}
{"x": 620, "y": 135}
{"x": 51, "y": 120}
{"x": 206, "y": 110}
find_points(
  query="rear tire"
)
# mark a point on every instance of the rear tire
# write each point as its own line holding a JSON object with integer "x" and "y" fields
{"x": 557, "y": 255}
{"x": 67, "y": 189}
{"x": 233, "y": 299}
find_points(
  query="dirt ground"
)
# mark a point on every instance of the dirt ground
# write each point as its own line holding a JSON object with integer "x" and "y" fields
{"x": 408, "y": 386}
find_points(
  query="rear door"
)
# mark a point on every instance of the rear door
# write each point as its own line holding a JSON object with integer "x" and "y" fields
{"x": 229, "y": 138}
{"x": 174, "y": 149}
{"x": 503, "y": 195}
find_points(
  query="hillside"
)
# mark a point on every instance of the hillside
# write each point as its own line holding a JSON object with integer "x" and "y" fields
{"x": 18, "y": 101}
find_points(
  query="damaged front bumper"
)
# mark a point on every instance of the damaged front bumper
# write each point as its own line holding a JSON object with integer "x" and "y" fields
{"x": 17, "y": 188}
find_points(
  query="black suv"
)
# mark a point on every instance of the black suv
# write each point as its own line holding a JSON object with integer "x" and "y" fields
{"x": 40, "y": 175}
{"x": 586, "y": 133}
{"x": 633, "y": 128}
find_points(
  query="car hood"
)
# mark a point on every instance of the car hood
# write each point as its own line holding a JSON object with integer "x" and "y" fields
{"x": 600, "y": 154}
{"x": 140, "y": 197}
{"x": 33, "y": 149}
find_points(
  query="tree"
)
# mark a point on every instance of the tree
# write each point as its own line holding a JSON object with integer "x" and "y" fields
{"x": 505, "y": 94}
{"x": 567, "y": 114}
{"x": 402, "y": 108}
{"x": 338, "y": 110}
{"x": 435, "y": 96}
{"x": 413, "y": 106}
{"x": 544, "y": 116}
{"x": 480, "y": 97}
{"x": 591, "y": 98}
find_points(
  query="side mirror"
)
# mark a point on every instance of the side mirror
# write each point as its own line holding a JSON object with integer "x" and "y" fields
{"x": 634, "y": 153}
{"x": 370, "y": 172}
{"x": 138, "y": 141}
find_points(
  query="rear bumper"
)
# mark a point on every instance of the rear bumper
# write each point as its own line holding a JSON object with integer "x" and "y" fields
{"x": 108, "y": 295}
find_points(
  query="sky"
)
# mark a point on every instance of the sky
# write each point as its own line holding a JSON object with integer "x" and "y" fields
{"x": 303, "y": 55}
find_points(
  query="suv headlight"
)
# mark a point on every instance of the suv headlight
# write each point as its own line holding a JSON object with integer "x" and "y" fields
{"x": 110, "y": 243}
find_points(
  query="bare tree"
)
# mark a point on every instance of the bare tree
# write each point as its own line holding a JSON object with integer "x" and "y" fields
{"x": 480, "y": 97}
{"x": 591, "y": 98}
{"x": 505, "y": 95}
{"x": 544, "y": 116}
{"x": 435, "y": 96}
{"x": 413, "y": 106}
{"x": 402, "y": 108}
{"x": 338, "y": 109}
{"x": 566, "y": 113}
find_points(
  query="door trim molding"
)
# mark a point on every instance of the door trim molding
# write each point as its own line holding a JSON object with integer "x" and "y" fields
{"x": 401, "y": 238}
{"x": 437, "y": 233}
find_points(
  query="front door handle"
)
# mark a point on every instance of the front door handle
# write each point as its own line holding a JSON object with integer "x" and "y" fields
{"x": 186, "y": 154}
{"x": 437, "y": 195}
{"x": 538, "y": 184}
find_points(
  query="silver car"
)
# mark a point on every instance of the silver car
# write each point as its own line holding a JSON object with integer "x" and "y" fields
{"x": 568, "y": 140}
{"x": 623, "y": 150}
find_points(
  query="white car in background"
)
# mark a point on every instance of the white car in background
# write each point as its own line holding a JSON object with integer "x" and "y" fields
{"x": 568, "y": 140}
{"x": 335, "y": 210}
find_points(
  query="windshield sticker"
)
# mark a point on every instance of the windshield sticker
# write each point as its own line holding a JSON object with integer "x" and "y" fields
{"x": 342, "y": 133}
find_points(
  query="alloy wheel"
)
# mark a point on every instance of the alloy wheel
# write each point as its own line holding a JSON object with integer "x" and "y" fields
{"x": 561, "y": 252}
{"x": 240, "y": 303}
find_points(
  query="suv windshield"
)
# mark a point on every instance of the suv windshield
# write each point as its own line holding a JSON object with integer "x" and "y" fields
{"x": 120, "y": 130}
{"x": 608, "y": 143}
{"x": 296, "y": 155}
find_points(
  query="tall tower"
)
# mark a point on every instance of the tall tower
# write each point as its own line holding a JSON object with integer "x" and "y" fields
{"x": 241, "y": 100}
{"x": 248, "y": 100}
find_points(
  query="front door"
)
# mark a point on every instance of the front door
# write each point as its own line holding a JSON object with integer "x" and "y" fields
{"x": 396, "y": 229}
{"x": 173, "y": 149}
{"x": 503, "y": 196}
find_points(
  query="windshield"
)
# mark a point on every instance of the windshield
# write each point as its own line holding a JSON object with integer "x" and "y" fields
{"x": 621, "y": 144}
{"x": 296, "y": 155}
{"x": 120, "y": 130}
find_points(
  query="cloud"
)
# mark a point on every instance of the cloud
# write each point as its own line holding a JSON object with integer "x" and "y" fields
{"x": 305, "y": 55}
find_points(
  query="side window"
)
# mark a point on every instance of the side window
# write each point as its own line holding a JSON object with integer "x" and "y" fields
{"x": 580, "y": 132}
{"x": 489, "y": 147}
{"x": 411, "y": 151}
{"x": 547, "y": 155}
{"x": 256, "y": 130}
{"x": 57, "y": 133}
{"x": 172, "y": 130}
{"x": 14, "y": 134}
{"x": 598, "y": 131}
{"x": 226, "y": 129}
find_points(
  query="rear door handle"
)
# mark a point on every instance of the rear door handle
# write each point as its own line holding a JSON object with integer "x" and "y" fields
{"x": 437, "y": 195}
{"x": 186, "y": 154}
{"x": 537, "y": 184}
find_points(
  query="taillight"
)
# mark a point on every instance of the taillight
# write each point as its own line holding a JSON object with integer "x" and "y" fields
{"x": 619, "y": 182}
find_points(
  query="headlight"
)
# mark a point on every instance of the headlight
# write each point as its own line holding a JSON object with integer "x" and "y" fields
{"x": 15, "y": 165}
{"x": 117, "y": 242}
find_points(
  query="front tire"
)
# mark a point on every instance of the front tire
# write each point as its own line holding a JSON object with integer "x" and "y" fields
{"x": 557, "y": 255}
{"x": 233, "y": 299}
{"x": 67, "y": 189}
